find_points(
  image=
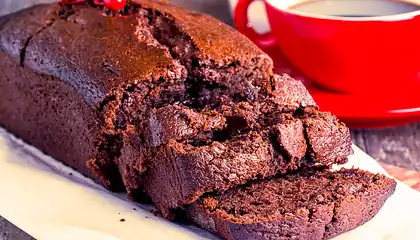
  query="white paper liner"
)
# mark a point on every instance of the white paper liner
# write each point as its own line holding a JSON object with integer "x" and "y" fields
{"x": 51, "y": 201}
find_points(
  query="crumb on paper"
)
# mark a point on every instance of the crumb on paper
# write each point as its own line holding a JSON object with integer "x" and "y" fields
{"x": 122, "y": 220}
{"x": 155, "y": 212}
{"x": 134, "y": 209}
{"x": 70, "y": 174}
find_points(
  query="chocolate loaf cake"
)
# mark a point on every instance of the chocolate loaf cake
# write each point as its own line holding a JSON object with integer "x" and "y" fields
{"x": 88, "y": 89}
{"x": 311, "y": 205}
{"x": 78, "y": 79}
{"x": 148, "y": 101}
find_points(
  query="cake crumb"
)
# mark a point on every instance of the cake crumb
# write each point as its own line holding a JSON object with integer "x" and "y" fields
{"x": 155, "y": 212}
{"x": 70, "y": 174}
{"x": 134, "y": 209}
{"x": 122, "y": 220}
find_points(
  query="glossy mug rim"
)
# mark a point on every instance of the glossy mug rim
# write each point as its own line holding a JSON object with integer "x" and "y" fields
{"x": 284, "y": 5}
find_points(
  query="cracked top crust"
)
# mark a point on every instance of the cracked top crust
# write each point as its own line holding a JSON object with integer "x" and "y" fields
{"x": 216, "y": 41}
{"x": 98, "y": 54}
{"x": 16, "y": 29}
{"x": 94, "y": 53}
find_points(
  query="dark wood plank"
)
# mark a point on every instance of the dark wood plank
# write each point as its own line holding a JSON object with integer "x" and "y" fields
{"x": 217, "y": 8}
{"x": 7, "y": 6}
{"x": 9, "y": 231}
{"x": 399, "y": 146}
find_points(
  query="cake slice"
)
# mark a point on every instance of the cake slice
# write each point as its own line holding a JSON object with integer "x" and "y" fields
{"x": 311, "y": 205}
{"x": 186, "y": 152}
{"x": 187, "y": 166}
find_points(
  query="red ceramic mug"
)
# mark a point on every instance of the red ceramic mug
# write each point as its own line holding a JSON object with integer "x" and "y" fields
{"x": 345, "y": 54}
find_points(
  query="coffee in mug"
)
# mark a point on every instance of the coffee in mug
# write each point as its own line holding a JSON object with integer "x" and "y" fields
{"x": 355, "y": 8}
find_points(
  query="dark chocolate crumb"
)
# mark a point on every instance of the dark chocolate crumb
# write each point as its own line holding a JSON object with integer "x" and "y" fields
{"x": 155, "y": 212}
{"x": 122, "y": 220}
{"x": 109, "y": 66}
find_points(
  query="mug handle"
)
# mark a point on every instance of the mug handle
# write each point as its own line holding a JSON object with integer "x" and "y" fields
{"x": 242, "y": 23}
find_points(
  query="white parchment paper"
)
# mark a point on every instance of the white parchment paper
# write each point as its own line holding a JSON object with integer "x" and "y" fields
{"x": 51, "y": 201}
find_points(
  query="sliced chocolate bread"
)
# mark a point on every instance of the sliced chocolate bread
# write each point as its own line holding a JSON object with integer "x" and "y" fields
{"x": 77, "y": 78}
{"x": 191, "y": 160}
{"x": 162, "y": 101}
{"x": 186, "y": 152}
{"x": 313, "y": 205}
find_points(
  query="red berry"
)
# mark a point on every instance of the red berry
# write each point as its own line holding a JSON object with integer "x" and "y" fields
{"x": 115, "y": 5}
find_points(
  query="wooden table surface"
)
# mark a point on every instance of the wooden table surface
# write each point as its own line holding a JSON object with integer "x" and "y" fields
{"x": 397, "y": 146}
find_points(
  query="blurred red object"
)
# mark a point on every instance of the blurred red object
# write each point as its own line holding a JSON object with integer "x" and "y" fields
{"x": 114, "y": 5}
{"x": 370, "y": 110}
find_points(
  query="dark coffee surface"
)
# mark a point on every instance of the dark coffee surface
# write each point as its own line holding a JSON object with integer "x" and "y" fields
{"x": 355, "y": 8}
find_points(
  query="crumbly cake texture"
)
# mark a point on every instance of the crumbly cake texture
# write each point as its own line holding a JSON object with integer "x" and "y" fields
{"x": 311, "y": 205}
{"x": 156, "y": 104}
